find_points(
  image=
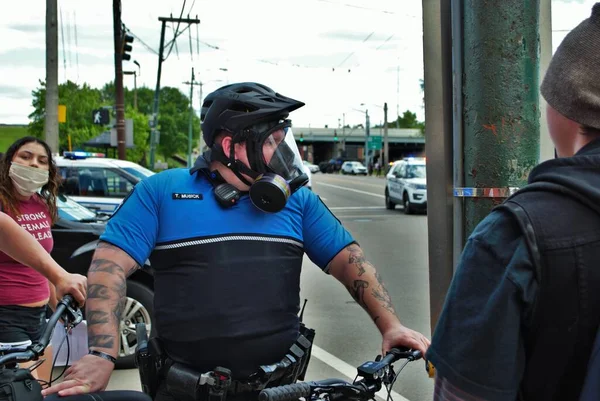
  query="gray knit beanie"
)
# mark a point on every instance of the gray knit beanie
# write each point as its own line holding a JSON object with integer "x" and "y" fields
{"x": 572, "y": 84}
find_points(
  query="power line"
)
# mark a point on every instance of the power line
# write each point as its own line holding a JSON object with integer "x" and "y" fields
{"x": 387, "y": 40}
{"x": 69, "y": 40}
{"x": 358, "y": 7}
{"x": 352, "y": 54}
{"x": 176, "y": 30}
{"x": 147, "y": 46}
{"x": 62, "y": 37}
{"x": 76, "y": 44}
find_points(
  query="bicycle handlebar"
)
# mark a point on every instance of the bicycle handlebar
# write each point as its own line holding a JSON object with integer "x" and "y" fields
{"x": 374, "y": 373}
{"x": 67, "y": 309}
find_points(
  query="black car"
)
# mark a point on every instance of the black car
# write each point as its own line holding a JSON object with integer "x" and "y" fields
{"x": 76, "y": 236}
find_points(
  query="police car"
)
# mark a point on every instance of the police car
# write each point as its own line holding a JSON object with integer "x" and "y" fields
{"x": 97, "y": 182}
{"x": 406, "y": 184}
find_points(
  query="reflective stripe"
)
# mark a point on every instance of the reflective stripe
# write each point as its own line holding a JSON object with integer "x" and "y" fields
{"x": 229, "y": 238}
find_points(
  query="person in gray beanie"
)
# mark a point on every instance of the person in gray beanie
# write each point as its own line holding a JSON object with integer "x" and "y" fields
{"x": 523, "y": 309}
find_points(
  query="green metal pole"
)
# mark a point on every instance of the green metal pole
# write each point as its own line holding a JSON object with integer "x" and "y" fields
{"x": 501, "y": 57}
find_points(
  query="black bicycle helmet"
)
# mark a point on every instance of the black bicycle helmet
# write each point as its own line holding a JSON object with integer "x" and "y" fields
{"x": 238, "y": 106}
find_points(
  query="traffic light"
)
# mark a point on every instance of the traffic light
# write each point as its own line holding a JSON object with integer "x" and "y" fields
{"x": 335, "y": 137}
{"x": 301, "y": 137}
{"x": 126, "y": 47}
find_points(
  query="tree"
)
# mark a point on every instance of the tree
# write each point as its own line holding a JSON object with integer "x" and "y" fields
{"x": 173, "y": 118}
{"x": 80, "y": 101}
{"x": 141, "y": 135}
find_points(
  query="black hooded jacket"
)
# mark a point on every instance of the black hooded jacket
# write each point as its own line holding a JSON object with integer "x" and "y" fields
{"x": 562, "y": 204}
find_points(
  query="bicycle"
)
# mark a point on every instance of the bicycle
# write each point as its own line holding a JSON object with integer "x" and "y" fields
{"x": 374, "y": 375}
{"x": 17, "y": 384}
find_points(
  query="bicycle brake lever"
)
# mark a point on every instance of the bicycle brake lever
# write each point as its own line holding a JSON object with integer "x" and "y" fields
{"x": 74, "y": 316}
{"x": 407, "y": 353}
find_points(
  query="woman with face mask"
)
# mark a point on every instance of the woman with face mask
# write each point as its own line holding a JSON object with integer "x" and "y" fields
{"x": 28, "y": 187}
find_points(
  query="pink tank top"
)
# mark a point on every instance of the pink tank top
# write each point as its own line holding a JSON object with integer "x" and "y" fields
{"x": 20, "y": 284}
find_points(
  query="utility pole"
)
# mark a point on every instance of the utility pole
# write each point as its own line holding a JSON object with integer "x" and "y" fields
{"x": 51, "y": 119}
{"x": 386, "y": 146}
{"x": 134, "y": 86}
{"x": 367, "y": 134}
{"x": 501, "y": 102}
{"x": 119, "y": 94}
{"x": 154, "y": 134}
{"x": 192, "y": 82}
{"x": 344, "y": 135}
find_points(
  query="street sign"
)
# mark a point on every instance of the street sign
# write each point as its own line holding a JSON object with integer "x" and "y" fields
{"x": 101, "y": 116}
{"x": 62, "y": 113}
{"x": 128, "y": 134}
{"x": 374, "y": 142}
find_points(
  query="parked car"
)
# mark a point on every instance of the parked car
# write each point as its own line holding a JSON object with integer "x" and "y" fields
{"x": 313, "y": 168}
{"x": 76, "y": 236}
{"x": 406, "y": 184}
{"x": 354, "y": 168}
{"x": 96, "y": 182}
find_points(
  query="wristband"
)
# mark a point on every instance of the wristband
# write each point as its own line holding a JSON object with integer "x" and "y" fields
{"x": 103, "y": 355}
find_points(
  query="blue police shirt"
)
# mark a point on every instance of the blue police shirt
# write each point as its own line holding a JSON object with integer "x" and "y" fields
{"x": 478, "y": 343}
{"x": 226, "y": 281}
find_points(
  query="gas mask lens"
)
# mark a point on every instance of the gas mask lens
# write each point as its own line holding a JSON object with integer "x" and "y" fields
{"x": 280, "y": 153}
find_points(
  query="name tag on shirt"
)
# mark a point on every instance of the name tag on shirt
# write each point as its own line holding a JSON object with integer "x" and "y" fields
{"x": 180, "y": 196}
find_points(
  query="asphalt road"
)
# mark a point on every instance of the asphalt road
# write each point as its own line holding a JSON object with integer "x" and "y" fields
{"x": 345, "y": 336}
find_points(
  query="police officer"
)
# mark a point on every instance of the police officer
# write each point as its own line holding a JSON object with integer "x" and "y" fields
{"x": 226, "y": 241}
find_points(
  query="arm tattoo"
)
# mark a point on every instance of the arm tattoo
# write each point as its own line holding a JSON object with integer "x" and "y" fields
{"x": 121, "y": 291}
{"x": 96, "y": 317}
{"x": 382, "y": 295}
{"x": 98, "y": 291}
{"x": 107, "y": 266}
{"x": 357, "y": 257}
{"x": 108, "y": 296}
{"x": 101, "y": 341}
{"x": 358, "y": 292}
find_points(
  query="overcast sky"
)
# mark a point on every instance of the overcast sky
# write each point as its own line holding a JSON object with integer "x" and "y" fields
{"x": 331, "y": 54}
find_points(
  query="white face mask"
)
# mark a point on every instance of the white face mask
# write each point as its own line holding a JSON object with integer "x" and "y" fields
{"x": 27, "y": 180}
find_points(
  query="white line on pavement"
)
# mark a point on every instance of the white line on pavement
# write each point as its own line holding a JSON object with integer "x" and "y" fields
{"x": 363, "y": 216}
{"x": 354, "y": 207}
{"x": 359, "y": 182}
{"x": 351, "y": 189}
{"x": 347, "y": 370}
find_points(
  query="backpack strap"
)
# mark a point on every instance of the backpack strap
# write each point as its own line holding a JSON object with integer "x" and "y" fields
{"x": 526, "y": 226}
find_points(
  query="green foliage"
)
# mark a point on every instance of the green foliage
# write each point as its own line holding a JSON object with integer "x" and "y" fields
{"x": 141, "y": 136}
{"x": 9, "y": 134}
{"x": 173, "y": 118}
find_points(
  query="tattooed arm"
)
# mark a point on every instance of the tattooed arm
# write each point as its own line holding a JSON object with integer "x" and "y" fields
{"x": 366, "y": 286}
{"x": 106, "y": 296}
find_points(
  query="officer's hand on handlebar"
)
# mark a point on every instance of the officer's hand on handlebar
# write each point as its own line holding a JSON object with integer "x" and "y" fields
{"x": 74, "y": 284}
{"x": 88, "y": 375}
{"x": 400, "y": 336}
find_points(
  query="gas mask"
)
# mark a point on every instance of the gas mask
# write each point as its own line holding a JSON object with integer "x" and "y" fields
{"x": 275, "y": 164}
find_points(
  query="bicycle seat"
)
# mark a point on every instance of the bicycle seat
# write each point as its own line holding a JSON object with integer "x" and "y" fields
{"x": 16, "y": 346}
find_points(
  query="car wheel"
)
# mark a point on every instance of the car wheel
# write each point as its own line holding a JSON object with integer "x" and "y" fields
{"x": 388, "y": 203}
{"x": 406, "y": 203}
{"x": 139, "y": 308}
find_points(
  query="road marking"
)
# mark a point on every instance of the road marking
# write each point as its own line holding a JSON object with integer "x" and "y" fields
{"x": 354, "y": 207}
{"x": 348, "y": 370}
{"x": 351, "y": 189}
{"x": 359, "y": 182}
{"x": 364, "y": 216}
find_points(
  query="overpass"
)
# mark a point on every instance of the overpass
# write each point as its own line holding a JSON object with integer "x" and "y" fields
{"x": 322, "y": 144}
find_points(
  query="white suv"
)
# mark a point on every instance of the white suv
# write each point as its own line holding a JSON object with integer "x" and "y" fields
{"x": 406, "y": 184}
{"x": 96, "y": 182}
{"x": 353, "y": 168}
